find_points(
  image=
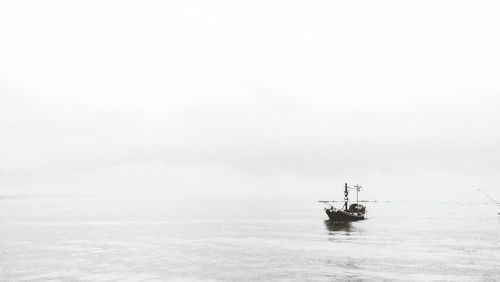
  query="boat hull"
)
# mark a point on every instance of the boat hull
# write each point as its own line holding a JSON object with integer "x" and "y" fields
{"x": 343, "y": 216}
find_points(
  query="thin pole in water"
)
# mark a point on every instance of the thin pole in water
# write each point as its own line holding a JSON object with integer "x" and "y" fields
{"x": 488, "y": 196}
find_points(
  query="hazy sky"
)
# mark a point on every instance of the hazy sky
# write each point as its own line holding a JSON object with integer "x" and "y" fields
{"x": 250, "y": 97}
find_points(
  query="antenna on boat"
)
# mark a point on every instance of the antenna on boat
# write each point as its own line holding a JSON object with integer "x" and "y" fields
{"x": 357, "y": 191}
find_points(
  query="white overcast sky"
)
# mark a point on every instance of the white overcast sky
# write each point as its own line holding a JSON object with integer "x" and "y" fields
{"x": 228, "y": 97}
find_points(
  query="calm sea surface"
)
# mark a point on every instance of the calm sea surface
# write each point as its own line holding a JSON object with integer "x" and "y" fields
{"x": 241, "y": 239}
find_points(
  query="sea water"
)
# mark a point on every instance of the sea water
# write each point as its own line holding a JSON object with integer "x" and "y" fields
{"x": 245, "y": 239}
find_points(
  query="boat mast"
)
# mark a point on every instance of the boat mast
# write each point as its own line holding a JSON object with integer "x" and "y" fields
{"x": 346, "y": 196}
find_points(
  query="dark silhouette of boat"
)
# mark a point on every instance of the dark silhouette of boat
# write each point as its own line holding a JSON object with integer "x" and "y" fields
{"x": 353, "y": 212}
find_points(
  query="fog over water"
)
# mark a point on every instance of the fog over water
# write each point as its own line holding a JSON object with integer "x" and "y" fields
{"x": 263, "y": 97}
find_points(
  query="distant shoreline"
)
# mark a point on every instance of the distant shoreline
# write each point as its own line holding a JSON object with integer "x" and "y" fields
{"x": 362, "y": 201}
{"x": 41, "y": 196}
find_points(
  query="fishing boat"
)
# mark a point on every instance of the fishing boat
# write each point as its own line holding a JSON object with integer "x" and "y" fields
{"x": 352, "y": 212}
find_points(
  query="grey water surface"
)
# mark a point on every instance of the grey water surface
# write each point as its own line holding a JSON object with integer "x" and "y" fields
{"x": 244, "y": 239}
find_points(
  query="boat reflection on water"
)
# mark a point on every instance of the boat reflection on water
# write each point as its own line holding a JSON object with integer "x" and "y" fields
{"x": 339, "y": 226}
